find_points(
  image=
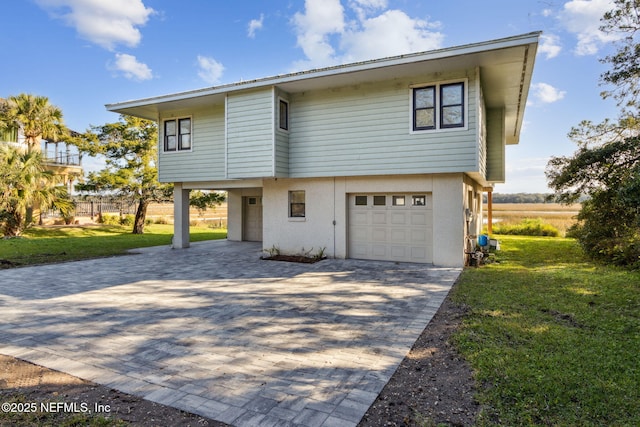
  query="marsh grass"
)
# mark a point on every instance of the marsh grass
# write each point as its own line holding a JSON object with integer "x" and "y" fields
{"x": 42, "y": 245}
{"x": 552, "y": 338}
{"x": 556, "y": 215}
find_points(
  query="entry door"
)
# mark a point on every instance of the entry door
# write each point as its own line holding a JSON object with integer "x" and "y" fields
{"x": 391, "y": 227}
{"x": 252, "y": 219}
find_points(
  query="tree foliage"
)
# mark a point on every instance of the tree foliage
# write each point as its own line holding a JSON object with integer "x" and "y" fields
{"x": 35, "y": 116}
{"x": 25, "y": 184}
{"x": 130, "y": 148}
{"x": 606, "y": 164}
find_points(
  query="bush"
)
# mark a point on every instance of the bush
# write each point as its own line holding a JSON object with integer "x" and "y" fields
{"x": 107, "y": 219}
{"x": 127, "y": 220}
{"x": 527, "y": 227}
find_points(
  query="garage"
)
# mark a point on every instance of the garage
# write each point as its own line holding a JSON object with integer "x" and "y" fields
{"x": 391, "y": 227}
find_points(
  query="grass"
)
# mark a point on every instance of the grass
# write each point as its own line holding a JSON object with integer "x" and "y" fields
{"x": 556, "y": 215}
{"x": 553, "y": 339}
{"x": 42, "y": 245}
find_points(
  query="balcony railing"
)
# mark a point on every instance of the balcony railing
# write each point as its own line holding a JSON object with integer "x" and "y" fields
{"x": 63, "y": 159}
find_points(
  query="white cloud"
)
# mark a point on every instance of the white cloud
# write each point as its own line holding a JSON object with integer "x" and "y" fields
{"x": 129, "y": 66}
{"x": 254, "y": 25}
{"x": 328, "y": 36}
{"x": 210, "y": 69}
{"x": 582, "y": 17}
{"x": 549, "y": 45}
{"x": 547, "y": 94}
{"x": 388, "y": 34}
{"x": 321, "y": 19}
{"x": 105, "y": 23}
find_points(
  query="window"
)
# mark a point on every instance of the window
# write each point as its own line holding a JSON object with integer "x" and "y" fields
{"x": 177, "y": 134}
{"x": 424, "y": 108}
{"x": 283, "y": 116}
{"x": 419, "y": 200}
{"x": 439, "y": 106}
{"x": 452, "y": 105}
{"x": 361, "y": 200}
{"x": 379, "y": 200}
{"x": 398, "y": 200}
{"x": 296, "y": 204}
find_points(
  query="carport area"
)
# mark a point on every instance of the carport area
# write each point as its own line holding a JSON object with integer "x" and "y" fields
{"x": 215, "y": 331}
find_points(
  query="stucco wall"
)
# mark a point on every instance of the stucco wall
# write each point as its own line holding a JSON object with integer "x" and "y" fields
{"x": 325, "y": 224}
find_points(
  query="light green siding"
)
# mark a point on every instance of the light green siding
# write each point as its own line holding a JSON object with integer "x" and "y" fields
{"x": 366, "y": 129}
{"x": 281, "y": 138}
{"x": 206, "y": 159}
{"x": 495, "y": 145}
{"x": 250, "y": 134}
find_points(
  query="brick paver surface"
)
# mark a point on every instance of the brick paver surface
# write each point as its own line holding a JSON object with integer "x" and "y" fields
{"x": 216, "y": 331}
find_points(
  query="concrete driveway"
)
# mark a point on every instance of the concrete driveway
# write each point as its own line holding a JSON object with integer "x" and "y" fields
{"x": 215, "y": 331}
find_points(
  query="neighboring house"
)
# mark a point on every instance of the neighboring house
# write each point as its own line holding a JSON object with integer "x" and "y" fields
{"x": 62, "y": 159}
{"x": 384, "y": 159}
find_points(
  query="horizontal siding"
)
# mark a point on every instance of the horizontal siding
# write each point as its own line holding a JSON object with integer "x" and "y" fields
{"x": 495, "y": 146}
{"x": 250, "y": 134}
{"x": 206, "y": 160}
{"x": 364, "y": 129}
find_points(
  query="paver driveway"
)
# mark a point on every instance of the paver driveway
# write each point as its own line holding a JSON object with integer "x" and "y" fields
{"x": 216, "y": 331}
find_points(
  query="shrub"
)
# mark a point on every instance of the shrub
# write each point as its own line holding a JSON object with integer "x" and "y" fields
{"x": 127, "y": 220}
{"x": 108, "y": 219}
{"x": 527, "y": 227}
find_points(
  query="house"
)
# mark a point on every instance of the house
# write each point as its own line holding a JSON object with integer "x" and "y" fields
{"x": 384, "y": 159}
{"x": 64, "y": 160}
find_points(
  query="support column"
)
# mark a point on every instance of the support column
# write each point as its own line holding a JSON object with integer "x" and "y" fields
{"x": 490, "y": 213}
{"x": 180, "y": 216}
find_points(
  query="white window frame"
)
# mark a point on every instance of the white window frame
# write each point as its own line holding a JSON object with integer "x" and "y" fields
{"x": 177, "y": 122}
{"x": 438, "y": 106}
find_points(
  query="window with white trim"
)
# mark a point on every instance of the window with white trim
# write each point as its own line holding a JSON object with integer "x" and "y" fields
{"x": 439, "y": 106}
{"x": 177, "y": 134}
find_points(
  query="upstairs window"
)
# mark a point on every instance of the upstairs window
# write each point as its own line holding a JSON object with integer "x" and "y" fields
{"x": 177, "y": 135}
{"x": 283, "y": 115}
{"x": 452, "y": 105}
{"x": 440, "y": 106}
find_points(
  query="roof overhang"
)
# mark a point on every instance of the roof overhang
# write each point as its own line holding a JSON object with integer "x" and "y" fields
{"x": 506, "y": 67}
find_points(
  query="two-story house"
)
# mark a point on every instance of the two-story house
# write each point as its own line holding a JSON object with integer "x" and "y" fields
{"x": 384, "y": 159}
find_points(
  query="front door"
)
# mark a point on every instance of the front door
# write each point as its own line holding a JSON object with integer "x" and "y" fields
{"x": 252, "y": 219}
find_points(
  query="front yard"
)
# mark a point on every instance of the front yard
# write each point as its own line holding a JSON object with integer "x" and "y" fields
{"x": 553, "y": 339}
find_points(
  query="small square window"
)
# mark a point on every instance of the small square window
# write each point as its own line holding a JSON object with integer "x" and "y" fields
{"x": 419, "y": 200}
{"x": 253, "y": 200}
{"x": 379, "y": 200}
{"x": 398, "y": 200}
{"x": 296, "y": 204}
{"x": 361, "y": 200}
{"x": 283, "y": 116}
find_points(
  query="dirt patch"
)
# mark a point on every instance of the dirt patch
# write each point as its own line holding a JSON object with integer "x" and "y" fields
{"x": 433, "y": 385}
{"x": 293, "y": 258}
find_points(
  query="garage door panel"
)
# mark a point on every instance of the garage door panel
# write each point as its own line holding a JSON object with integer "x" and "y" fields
{"x": 379, "y": 217}
{"x": 390, "y": 232}
{"x": 398, "y": 218}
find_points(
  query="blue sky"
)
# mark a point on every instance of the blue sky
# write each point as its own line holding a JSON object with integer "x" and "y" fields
{"x": 83, "y": 54}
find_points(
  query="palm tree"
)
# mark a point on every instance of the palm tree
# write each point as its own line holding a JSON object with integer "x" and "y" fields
{"x": 37, "y": 118}
{"x": 26, "y": 183}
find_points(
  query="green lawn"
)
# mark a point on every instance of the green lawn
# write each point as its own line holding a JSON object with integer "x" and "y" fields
{"x": 553, "y": 339}
{"x": 54, "y": 244}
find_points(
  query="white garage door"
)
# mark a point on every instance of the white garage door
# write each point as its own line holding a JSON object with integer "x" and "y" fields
{"x": 391, "y": 227}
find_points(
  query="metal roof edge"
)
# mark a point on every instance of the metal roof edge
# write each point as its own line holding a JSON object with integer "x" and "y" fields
{"x": 518, "y": 40}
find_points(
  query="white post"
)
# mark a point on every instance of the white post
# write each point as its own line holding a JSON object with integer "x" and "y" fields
{"x": 180, "y": 216}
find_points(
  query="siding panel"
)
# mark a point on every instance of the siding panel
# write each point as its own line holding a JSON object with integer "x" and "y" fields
{"x": 365, "y": 129}
{"x": 206, "y": 160}
{"x": 250, "y": 134}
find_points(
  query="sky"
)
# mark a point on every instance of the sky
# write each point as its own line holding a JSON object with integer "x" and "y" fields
{"x": 83, "y": 54}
